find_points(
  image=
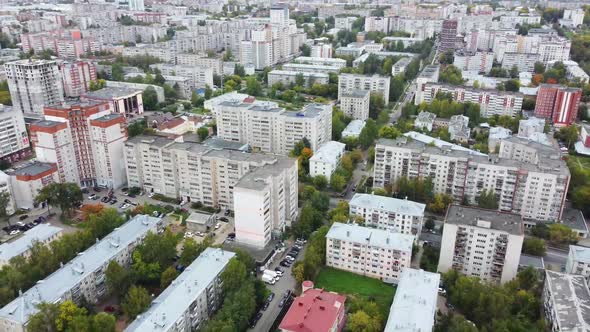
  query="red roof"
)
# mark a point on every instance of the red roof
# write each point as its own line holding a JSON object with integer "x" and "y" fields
{"x": 171, "y": 124}
{"x": 315, "y": 311}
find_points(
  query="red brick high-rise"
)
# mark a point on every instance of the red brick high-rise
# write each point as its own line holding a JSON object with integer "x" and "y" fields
{"x": 448, "y": 35}
{"x": 558, "y": 103}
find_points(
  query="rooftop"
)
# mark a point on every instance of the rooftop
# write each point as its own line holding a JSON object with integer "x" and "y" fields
{"x": 425, "y": 139}
{"x": 580, "y": 254}
{"x": 356, "y": 93}
{"x": 371, "y": 236}
{"x": 200, "y": 218}
{"x": 108, "y": 117}
{"x": 354, "y": 128}
{"x": 53, "y": 288}
{"x": 532, "y": 261}
{"x": 314, "y": 311}
{"x": 32, "y": 169}
{"x": 390, "y": 204}
{"x": 219, "y": 143}
{"x": 295, "y": 73}
{"x": 414, "y": 304}
{"x": 571, "y": 299}
{"x": 329, "y": 152}
{"x": 15, "y": 248}
{"x": 112, "y": 93}
{"x": 173, "y": 302}
{"x": 482, "y": 218}
{"x": 47, "y": 123}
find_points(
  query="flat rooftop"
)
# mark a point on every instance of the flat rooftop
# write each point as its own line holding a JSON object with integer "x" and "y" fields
{"x": 21, "y": 245}
{"x": 580, "y": 254}
{"x": 33, "y": 168}
{"x": 390, "y": 204}
{"x": 112, "y": 93}
{"x": 356, "y": 93}
{"x": 414, "y": 304}
{"x": 174, "y": 301}
{"x": 329, "y": 152}
{"x": 474, "y": 216}
{"x": 53, "y": 288}
{"x": 571, "y": 299}
{"x": 371, "y": 236}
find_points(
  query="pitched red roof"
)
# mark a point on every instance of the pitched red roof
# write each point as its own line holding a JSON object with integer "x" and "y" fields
{"x": 314, "y": 311}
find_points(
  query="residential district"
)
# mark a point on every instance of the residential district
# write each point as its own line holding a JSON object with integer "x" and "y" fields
{"x": 294, "y": 166}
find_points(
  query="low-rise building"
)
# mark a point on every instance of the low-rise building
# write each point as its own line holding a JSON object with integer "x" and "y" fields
{"x": 355, "y": 104}
{"x": 353, "y": 129}
{"x": 371, "y": 252}
{"x": 28, "y": 180}
{"x": 336, "y": 62}
{"x": 315, "y": 310}
{"x": 424, "y": 120}
{"x": 287, "y": 77}
{"x": 459, "y": 128}
{"x": 415, "y": 302}
{"x": 21, "y": 247}
{"x": 400, "y": 66}
{"x": 126, "y": 101}
{"x": 326, "y": 159}
{"x": 306, "y": 68}
{"x": 578, "y": 261}
{"x": 481, "y": 243}
{"x": 527, "y": 127}
{"x": 566, "y": 300}
{"x": 392, "y": 214}
{"x": 188, "y": 302}
{"x": 199, "y": 222}
{"x": 496, "y": 134}
{"x": 81, "y": 278}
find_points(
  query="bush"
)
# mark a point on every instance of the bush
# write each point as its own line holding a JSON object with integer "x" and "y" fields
{"x": 165, "y": 199}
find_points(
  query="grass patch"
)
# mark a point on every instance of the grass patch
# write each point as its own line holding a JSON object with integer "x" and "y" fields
{"x": 580, "y": 161}
{"x": 354, "y": 285}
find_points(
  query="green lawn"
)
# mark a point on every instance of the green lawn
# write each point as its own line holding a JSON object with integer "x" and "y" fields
{"x": 582, "y": 161}
{"x": 354, "y": 285}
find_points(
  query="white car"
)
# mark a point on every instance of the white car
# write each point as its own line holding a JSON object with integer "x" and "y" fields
{"x": 14, "y": 232}
{"x": 217, "y": 226}
{"x": 188, "y": 234}
{"x": 150, "y": 195}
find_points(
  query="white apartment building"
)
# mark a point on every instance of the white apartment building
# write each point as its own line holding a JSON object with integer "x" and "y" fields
{"x": 136, "y": 5}
{"x": 528, "y": 178}
{"x": 391, "y": 214}
{"x": 400, "y": 66}
{"x": 14, "y": 140}
{"x": 406, "y": 41}
{"x": 424, "y": 120}
{"x": 82, "y": 277}
{"x": 322, "y": 51}
{"x": 21, "y": 247}
{"x": 326, "y": 159}
{"x": 190, "y": 299}
{"x": 491, "y": 102}
{"x": 34, "y": 84}
{"x": 376, "y": 23}
{"x": 565, "y": 302}
{"x": 6, "y": 188}
{"x": 344, "y": 23}
{"x": 86, "y": 142}
{"x": 510, "y": 21}
{"x": 196, "y": 172}
{"x": 480, "y": 61}
{"x": 374, "y": 253}
{"x": 124, "y": 100}
{"x": 548, "y": 47}
{"x": 429, "y": 74}
{"x": 572, "y": 17}
{"x": 340, "y": 63}
{"x": 578, "y": 261}
{"x": 200, "y": 60}
{"x": 415, "y": 302}
{"x": 530, "y": 126}
{"x": 375, "y": 83}
{"x": 28, "y": 180}
{"x": 268, "y": 128}
{"x": 76, "y": 77}
{"x": 355, "y": 104}
{"x": 306, "y": 68}
{"x": 288, "y": 78}
{"x": 524, "y": 62}
{"x": 200, "y": 77}
{"x": 481, "y": 243}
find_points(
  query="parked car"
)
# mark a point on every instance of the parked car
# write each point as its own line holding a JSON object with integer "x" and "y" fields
{"x": 150, "y": 195}
{"x": 285, "y": 264}
{"x": 14, "y": 232}
{"x": 227, "y": 213}
{"x": 23, "y": 217}
{"x": 113, "y": 201}
{"x": 255, "y": 319}
{"x": 278, "y": 269}
{"x": 217, "y": 225}
{"x": 224, "y": 219}
{"x": 270, "y": 297}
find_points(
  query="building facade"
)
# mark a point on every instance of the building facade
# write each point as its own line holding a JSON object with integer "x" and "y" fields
{"x": 578, "y": 261}
{"x": 14, "y": 140}
{"x": 557, "y": 103}
{"x": 21, "y": 247}
{"x": 27, "y": 181}
{"x": 76, "y": 77}
{"x": 326, "y": 159}
{"x": 126, "y": 101}
{"x": 448, "y": 35}
{"x": 351, "y": 82}
{"x": 288, "y": 78}
{"x": 355, "y": 104}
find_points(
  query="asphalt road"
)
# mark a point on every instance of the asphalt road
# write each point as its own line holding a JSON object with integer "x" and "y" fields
{"x": 555, "y": 256}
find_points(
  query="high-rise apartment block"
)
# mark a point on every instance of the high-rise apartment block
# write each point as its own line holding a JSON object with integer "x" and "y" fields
{"x": 266, "y": 127}
{"x": 355, "y": 104}
{"x": 374, "y": 253}
{"x": 392, "y": 214}
{"x": 375, "y": 83}
{"x": 86, "y": 142}
{"x": 136, "y": 5}
{"x": 81, "y": 278}
{"x": 528, "y": 178}
{"x": 34, "y": 84}
{"x": 481, "y": 243}
{"x": 558, "y": 103}
{"x": 480, "y": 61}
{"x": 187, "y": 303}
{"x": 14, "y": 140}
{"x": 76, "y": 77}
{"x": 448, "y": 35}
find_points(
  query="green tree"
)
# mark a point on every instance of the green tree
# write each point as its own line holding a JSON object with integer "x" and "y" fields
{"x": 117, "y": 279}
{"x": 561, "y": 234}
{"x": 446, "y": 58}
{"x": 150, "y": 99}
{"x": 337, "y": 182}
{"x": 103, "y": 322}
{"x": 253, "y": 87}
{"x": 320, "y": 182}
{"x": 533, "y": 246}
{"x": 234, "y": 275}
{"x": 390, "y": 132}
{"x": 68, "y": 312}
{"x": 396, "y": 87}
{"x": 376, "y": 105}
{"x": 168, "y": 276}
{"x": 568, "y": 134}
{"x": 45, "y": 318}
{"x": 451, "y": 75}
{"x": 368, "y": 134}
{"x": 360, "y": 321}
{"x": 429, "y": 224}
{"x": 203, "y": 133}
{"x": 539, "y": 68}
{"x": 136, "y": 302}
{"x": 64, "y": 195}
{"x": 5, "y": 201}
{"x": 488, "y": 200}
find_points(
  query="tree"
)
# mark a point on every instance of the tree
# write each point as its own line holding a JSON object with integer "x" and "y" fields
{"x": 396, "y": 87}
{"x": 117, "y": 279}
{"x": 512, "y": 85}
{"x": 429, "y": 224}
{"x": 561, "y": 234}
{"x": 451, "y": 75}
{"x": 299, "y": 80}
{"x": 64, "y": 195}
{"x": 5, "y": 201}
{"x": 136, "y": 301}
{"x": 168, "y": 276}
{"x": 234, "y": 275}
{"x": 192, "y": 250}
{"x": 368, "y": 134}
{"x": 446, "y": 58}
{"x": 298, "y": 272}
{"x": 337, "y": 182}
{"x": 103, "y": 322}
{"x": 360, "y": 321}
{"x": 488, "y": 200}
{"x": 568, "y": 134}
{"x": 150, "y": 99}
{"x": 97, "y": 84}
{"x": 320, "y": 182}
{"x": 68, "y": 312}
{"x": 91, "y": 209}
{"x": 533, "y": 246}
{"x": 253, "y": 87}
{"x": 390, "y": 132}
{"x": 376, "y": 105}
{"x": 203, "y": 133}
{"x": 539, "y": 68}
{"x": 44, "y": 319}
{"x": 305, "y": 50}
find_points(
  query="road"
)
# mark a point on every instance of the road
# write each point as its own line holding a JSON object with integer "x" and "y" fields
{"x": 286, "y": 282}
{"x": 555, "y": 256}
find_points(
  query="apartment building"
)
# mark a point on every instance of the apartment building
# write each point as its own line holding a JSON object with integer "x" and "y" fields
{"x": 548, "y": 47}
{"x": 344, "y": 23}
{"x": 400, "y": 66}
{"x": 86, "y": 142}
{"x": 448, "y": 35}
{"x": 306, "y": 68}
{"x": 288, "y": 78}
{"x": 27, "y": 180}
{"x": 315, "y": 310}
{"x": 524, "y": 62}
{"x": 34, "y": 84}
{"x": 491, "y": 102}
{"x": 198, "y": 173}
{"x": 126, "y": 101}
{"x": 355, "y": 104}
{"x": 429, "y": 74}
{"x": 190, "y": 300}
{"x": 558, "y": 103}
{"x": 391, "y": 214}
{"x": 424, "y": 120}
{"x": 14, "y": 140}
{"x": 200, "y": 77}
{"x": 565, "y": 302}
{"x": 481, "y": 243}
{"x": 21, "y": 247}
{"x": 374, "y": 253}
{"x": 200, "y": 60}
{"x": 375, "y": 83}
{"x": 479, "y": 61}
{"x": 322, "y": 51}
{"x": 340, "y": 63}
{"x": 269, "y": 128}
{"x": 6, "y": 188}
{"x": 572, "y": 18}
{"x": 578, "y": 261}
{"x": 415, "y": 302}
{"x": 76, "y": 77}
{"x": 530, "y": 126}
{"x": 326, "y": 159}
{"x": 528, "y": 178}
{"x": 82, "y": 277}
